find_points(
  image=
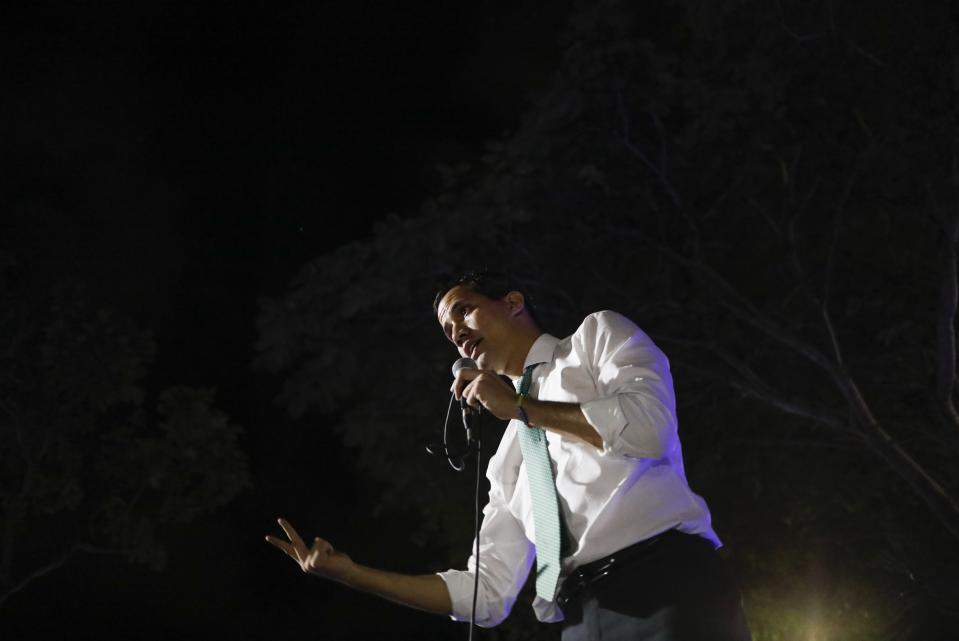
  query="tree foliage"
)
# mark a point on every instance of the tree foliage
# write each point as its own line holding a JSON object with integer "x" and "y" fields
{"x": 88, "y": 463}
{"x": 771, "y": 190}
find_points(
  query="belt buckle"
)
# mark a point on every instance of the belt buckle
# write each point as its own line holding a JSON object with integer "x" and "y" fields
{"x": 573, "y": 584}
{"x": 579, "y": 580}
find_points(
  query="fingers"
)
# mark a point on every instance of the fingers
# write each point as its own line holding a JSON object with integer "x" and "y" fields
{"x": 283, "y": 545}
{"x": 321, "y": 546}
{"x": 472, "y": 396}
{"x": 488, "y": 390}
{"x": 318, "y": 557}
{"x": 480, "y": 388}
{"x": 295, "y": 548}
{"x": 298, "y": 544}
{"x": 462, "y": 379}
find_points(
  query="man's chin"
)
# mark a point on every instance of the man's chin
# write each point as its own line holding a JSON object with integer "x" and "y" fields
{"x": 483, "y": 362}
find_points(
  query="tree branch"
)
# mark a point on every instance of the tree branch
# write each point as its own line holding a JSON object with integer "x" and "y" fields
{"x": 636, "y": 151}
{"x": 821, "y": 304}
{"x": 55, "y": 565}
{"x": 932, "y": 493}
{"x": 736, "y": 303}
{"x": 946, "y": 332}
{"x": 948, "y": 287}
{"x": 864, "y": 425}
{"x": 751, "y": 385}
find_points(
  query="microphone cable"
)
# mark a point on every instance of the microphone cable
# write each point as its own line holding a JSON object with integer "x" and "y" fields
{"x": 476, "y": 523}
{"x": 460, "y": 465}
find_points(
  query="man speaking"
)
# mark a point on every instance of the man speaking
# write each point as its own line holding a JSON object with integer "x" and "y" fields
{"x": 588, "y": 479}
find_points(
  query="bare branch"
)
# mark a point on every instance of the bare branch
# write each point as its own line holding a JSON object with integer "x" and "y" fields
{"x": 765, "y": 395}
{"x": 830, "y": 268}
{"x": 636, "y": 151}
{"x": 932, "y": 493}
{"x": 730, "y": 298}
{"x": 792, "y": 34}
{"x": 787, "y": 299}
{"x": 7, "y": 408}
{"x": 792, "y": 407}
{"x": 822, "y": 304}
{"x": 663, "y": 146}
{"x": 750, "y": 384}
{"x": 864, "y": 425}
{"x": 868, "y": 56}
{"x": 948, "y": 304}
{"x": 949, "y": 287}
{"x": 55, "y": 565}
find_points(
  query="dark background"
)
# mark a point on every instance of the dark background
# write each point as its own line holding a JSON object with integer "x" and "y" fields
{"x": 189, "y": 165}
{"x": 182, "y": 160}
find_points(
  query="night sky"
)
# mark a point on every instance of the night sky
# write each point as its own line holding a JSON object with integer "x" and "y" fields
{"x": 184, "y": 159}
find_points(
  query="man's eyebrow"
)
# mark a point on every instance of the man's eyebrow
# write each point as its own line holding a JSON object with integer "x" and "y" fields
{"x": 445, "y": 312}
{"x": 450, "y": 311}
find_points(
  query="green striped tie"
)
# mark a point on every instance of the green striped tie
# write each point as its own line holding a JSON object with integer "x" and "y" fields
{"x": 546, "y": 515}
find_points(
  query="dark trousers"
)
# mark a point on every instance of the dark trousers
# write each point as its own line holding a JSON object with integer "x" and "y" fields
{"x": 677, "y": 590}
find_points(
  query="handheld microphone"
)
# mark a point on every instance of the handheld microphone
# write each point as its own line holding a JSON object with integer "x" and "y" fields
{"x": 463, "y": 363}
{"x": 466, "y": 363}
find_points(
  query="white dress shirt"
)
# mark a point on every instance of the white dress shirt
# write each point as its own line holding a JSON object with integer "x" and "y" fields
{"x": 632, "y": 489}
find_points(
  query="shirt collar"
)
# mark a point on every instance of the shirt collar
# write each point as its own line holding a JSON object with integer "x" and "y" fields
{"x": 542, "y": 350}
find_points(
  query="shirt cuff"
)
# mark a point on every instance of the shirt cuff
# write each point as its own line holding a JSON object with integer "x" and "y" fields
{"x": 459, "y": 584}
{"x": 607, "y": 418}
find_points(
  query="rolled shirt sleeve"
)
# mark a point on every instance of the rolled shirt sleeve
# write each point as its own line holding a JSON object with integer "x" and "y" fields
{"x": 635, "y": 413}
{"x": 505, "y": 559}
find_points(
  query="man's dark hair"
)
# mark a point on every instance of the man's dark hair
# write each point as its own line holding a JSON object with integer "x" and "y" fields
{"x": 491, "y": 284}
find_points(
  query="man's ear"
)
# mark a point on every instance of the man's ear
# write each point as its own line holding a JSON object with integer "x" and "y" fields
{"x": 516, "y": 302}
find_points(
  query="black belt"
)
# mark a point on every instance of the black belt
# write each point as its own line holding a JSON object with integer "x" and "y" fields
{"x": 590, "y": 573}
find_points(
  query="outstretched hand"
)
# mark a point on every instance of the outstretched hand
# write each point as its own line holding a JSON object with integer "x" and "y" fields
{"x": 319, "y": 559}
